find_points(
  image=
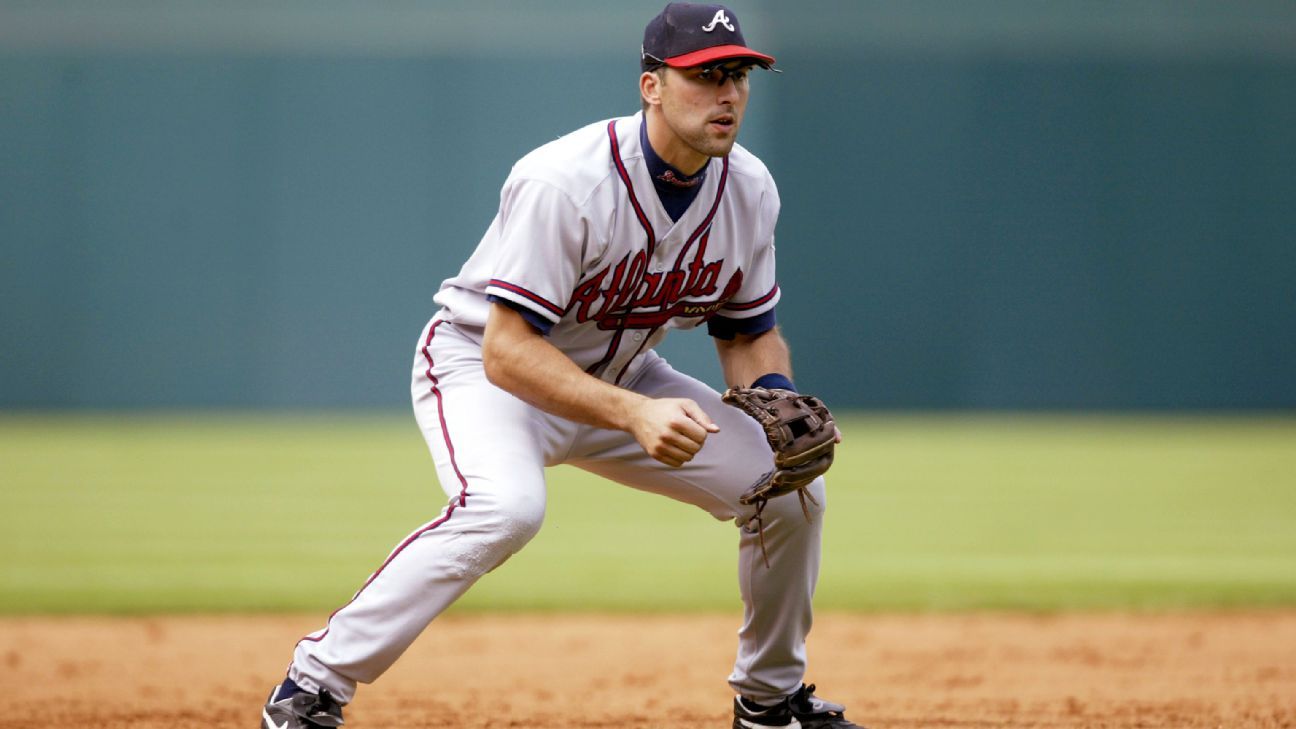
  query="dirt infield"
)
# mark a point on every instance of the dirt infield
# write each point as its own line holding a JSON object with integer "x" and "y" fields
{"x": 1229, "y": 670}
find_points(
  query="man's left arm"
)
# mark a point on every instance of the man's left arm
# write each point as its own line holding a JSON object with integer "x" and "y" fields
{"x": 800, "y": 429}
{"x": 758, "y": 360}
{"x": 748, "y": 357}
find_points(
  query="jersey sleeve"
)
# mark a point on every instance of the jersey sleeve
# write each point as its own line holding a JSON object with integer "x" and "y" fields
{"x": 541, "y": 324}
{"x": 759, "y": 292}
{"x": 722, "y": 327}
{"x": 542, "y": 237}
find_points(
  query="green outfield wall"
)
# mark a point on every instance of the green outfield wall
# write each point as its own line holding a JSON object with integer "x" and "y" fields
{"x": 986, "y": 205}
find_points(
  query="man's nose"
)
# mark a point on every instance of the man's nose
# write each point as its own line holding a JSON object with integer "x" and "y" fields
{"x": 728, "y": 92}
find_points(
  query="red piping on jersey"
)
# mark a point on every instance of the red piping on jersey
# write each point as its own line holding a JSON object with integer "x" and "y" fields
{"x": 647, "y": 338}
{"x": 679, "y": 260}
{"x": 652, "y": 240}
{"x": 611, "y": 350}
{"x": 461, "y": 501}
{"x": 754, "y": 304}
{"x": 528, "y": 295}
{"x": 648, "y": 230}
{"x": 625, "y": 177}
{"x": 724, "y": 176}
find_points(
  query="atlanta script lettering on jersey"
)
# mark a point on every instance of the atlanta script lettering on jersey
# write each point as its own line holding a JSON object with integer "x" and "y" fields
{"x": 627, "y": 296}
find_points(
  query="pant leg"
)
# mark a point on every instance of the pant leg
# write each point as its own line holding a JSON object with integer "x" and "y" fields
{"x": 488, "y": 448}
{"x": 777, "y": 600}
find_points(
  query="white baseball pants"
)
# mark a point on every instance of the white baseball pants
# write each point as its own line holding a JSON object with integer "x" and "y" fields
{"x": 490, "y": 450}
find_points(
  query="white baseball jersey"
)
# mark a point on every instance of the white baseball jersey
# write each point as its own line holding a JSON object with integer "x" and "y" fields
{"x": 582, "y": 240}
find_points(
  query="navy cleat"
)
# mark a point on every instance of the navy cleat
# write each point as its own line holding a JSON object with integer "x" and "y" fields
{"x": 291, "y": 707}
{"x": 801, "y": 710}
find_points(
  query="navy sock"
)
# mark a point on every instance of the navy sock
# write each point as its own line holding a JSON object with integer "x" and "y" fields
{"x": 286, "y": 689}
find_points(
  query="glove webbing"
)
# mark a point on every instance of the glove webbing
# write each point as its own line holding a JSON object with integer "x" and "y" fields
{"x": 761, "y": 501}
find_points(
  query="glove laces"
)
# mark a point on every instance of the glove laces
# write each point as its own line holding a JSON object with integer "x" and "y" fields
{"x": 802, "y": 495}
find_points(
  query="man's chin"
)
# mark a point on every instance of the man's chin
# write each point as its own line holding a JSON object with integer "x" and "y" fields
{"x": 724, "y": 152}
{"x": 720, "y": 147}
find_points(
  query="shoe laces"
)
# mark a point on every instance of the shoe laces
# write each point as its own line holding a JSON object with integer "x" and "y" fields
{"x": 805, "y": 703}
{"x": 315, "y": 706}
{"x": 326, "y": 704}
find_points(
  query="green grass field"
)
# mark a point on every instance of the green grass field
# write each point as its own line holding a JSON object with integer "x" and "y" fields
{"x": 149, "y": 513}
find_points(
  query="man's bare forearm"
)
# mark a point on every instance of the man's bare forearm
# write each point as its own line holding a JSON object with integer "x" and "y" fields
{"x": 745, "y": 358}
{"x": 519, "y": 360}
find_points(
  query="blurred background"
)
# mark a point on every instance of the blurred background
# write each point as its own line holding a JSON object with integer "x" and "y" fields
{"x": 222, "y": 224}
{"x": 986, "y": 205}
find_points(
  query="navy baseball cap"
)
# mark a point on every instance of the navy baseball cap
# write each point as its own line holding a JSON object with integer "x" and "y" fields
{"x": 692, "y": 34}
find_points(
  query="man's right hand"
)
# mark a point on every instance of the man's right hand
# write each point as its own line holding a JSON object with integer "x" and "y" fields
{"x": 671, "y": 430}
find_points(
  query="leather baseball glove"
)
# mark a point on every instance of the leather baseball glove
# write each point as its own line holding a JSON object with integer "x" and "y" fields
{"x": 802, "y": 434}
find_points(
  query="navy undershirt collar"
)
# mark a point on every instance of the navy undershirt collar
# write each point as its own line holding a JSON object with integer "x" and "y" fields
{"x": 675, "y": 189}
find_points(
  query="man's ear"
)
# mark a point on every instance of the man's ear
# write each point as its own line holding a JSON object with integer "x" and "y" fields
{"x": 650, "y": 87}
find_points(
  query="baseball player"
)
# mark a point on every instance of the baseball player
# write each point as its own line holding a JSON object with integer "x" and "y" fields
{"x": 542, "y": 353}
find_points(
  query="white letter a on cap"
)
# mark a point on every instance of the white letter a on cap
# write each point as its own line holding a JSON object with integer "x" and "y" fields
{"x": 721, "y": 19}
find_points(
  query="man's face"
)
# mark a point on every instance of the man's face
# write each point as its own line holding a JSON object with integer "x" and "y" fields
{"x": 704, "y": 107}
